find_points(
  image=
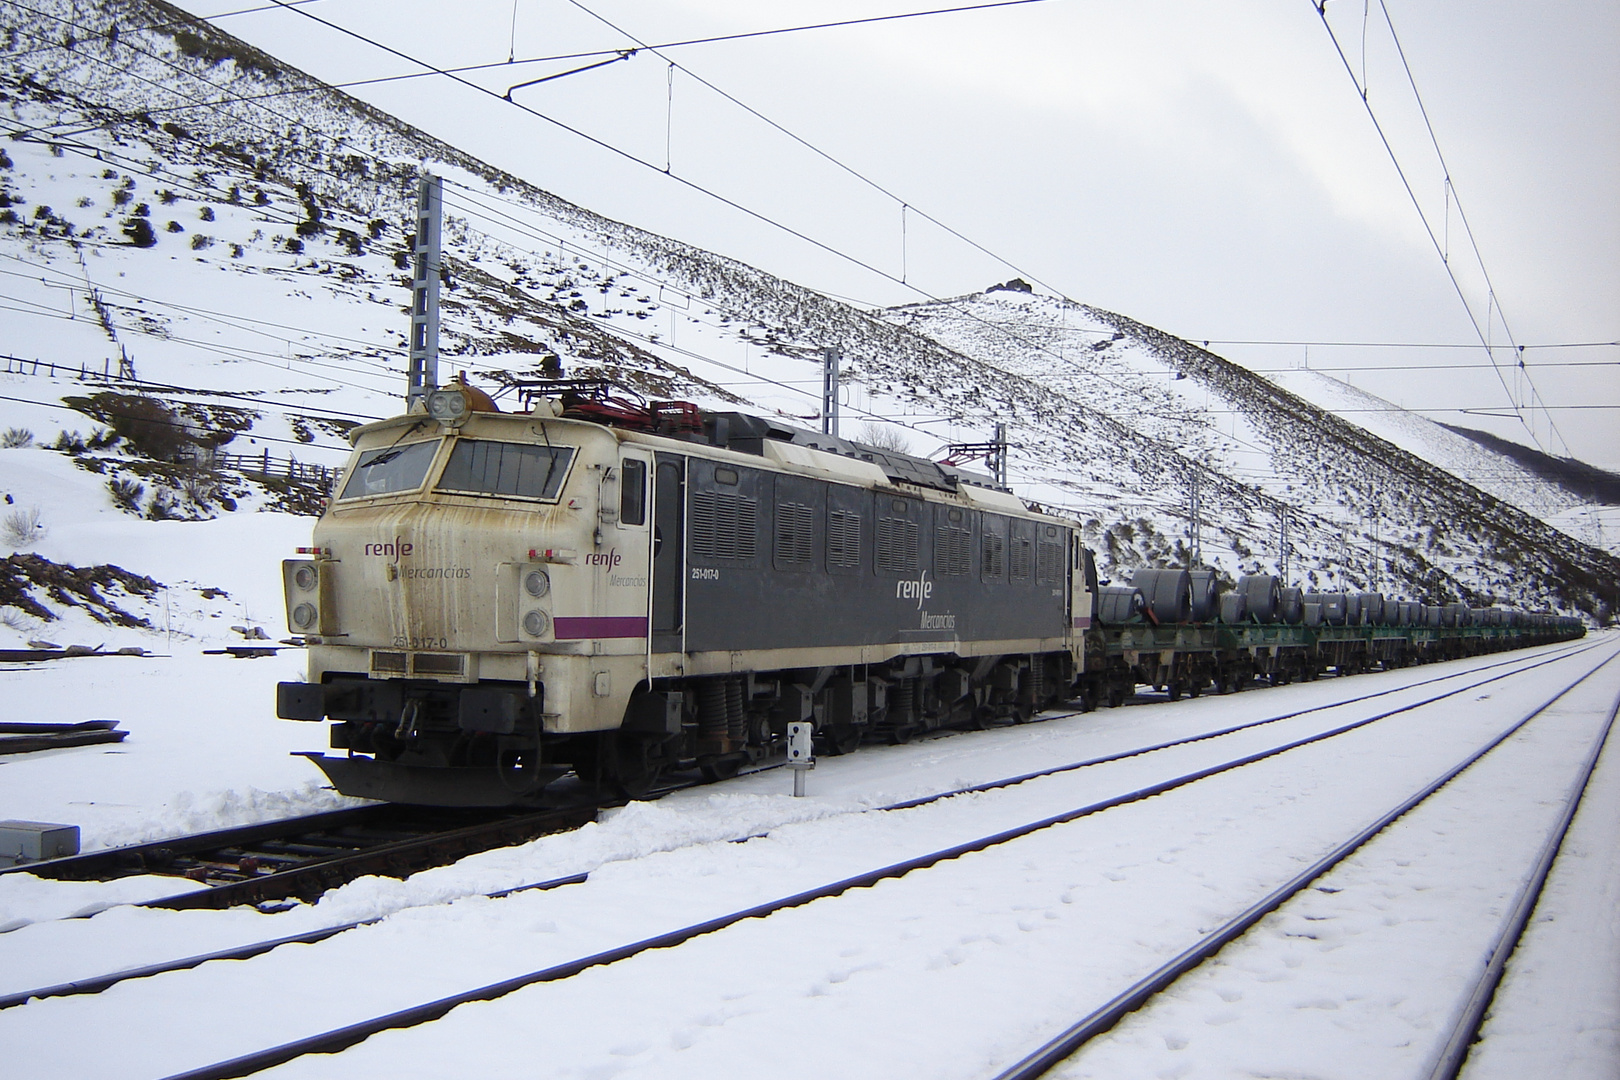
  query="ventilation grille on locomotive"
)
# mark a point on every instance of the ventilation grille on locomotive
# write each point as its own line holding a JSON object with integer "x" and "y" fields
{"x": 795, "y": 535}
{"x": 993, "y": 555}
{"x": 843, "y": 538}
{"x": 1049, "y": 556}
{"x": 952, "y": 551}
{"x": 1022, "y": 556}
{"x": 896, "y": 546}
{"x": 723, "y": 525}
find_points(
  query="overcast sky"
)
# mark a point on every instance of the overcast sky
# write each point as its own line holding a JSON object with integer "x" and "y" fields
{"x": 1205, "y": 168}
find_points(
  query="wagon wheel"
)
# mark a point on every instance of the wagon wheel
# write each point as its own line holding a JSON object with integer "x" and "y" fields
{"x": 1174, "y": 690}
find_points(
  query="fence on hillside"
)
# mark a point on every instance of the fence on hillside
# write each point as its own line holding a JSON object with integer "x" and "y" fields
{"x": 261, "y": 464}
{"x": 22, "y": 365}
{"x": 266, "y": 465}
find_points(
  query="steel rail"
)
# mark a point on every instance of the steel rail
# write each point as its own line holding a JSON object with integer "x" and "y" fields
{"x": 341, "y": 1038}
{"x": 96, "y": 984}
{"x": 156, "y": 855}
{"x": 1133, "y": 997}
{"x": 1448, "y": 1060}
{"x": 1011, "y": 781}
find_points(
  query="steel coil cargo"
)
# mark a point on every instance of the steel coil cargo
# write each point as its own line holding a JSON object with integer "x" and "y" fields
{"x": 1206, "y": 595}
{"x": 1116, "y": 604}
{"x": 1168, "y": 594}
{"x": 1367, "y": 610}
{"x": 1291, "y": 605}
{"x": 1260, "y": 596}
{"x": 1233, "y": 607}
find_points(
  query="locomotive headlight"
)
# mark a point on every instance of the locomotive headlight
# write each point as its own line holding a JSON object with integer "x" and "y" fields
{"x": 536, "y": 583}
{"x": 536, "y": 623}
{"x": 306, "y": 578}
{"x": 448, "y": 406}
{"x": 304, "y": 616}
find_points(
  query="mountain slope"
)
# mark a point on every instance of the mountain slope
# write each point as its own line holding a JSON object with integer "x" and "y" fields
{"x": 184, "y": 209}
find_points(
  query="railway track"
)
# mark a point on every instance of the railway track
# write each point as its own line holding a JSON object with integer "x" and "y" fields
{"x": 349, "y": 1034}
{"x": 1445, "y": 1059}
{"x": 301, "y": 858}
{"x": 221, "y": 853}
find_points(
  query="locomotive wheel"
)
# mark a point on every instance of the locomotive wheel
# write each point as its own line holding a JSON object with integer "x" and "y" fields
{"x": 1088, "y": 698}
{"x": 626, "y": 768}
{"x": 842, "y": 739}
{"x": 901, "y": 735}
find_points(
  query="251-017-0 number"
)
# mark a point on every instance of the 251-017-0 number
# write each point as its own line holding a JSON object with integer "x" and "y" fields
{"x": 705, "y": 573}
{"x": 421, "y": 643}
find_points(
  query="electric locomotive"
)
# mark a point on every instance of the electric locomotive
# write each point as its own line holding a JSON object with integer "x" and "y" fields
{"x": 618, "y": 588}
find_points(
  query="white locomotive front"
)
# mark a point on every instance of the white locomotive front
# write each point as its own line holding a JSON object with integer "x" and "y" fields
{"x": 495, "y": 599}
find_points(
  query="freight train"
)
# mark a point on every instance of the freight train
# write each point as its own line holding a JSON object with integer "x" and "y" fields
{"x": 618, "y": 588}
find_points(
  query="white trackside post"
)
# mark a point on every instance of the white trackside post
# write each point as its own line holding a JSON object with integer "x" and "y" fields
{"x": 801, "y": 753}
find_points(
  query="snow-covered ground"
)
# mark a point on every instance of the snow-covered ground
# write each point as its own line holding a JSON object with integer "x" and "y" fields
{"x": 1366, "y": 967}
{"x": 948, "y": 972}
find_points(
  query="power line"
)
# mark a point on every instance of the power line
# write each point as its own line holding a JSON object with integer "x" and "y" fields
{"x": 1170, "y": 452}
{"x": 513, "y": 62}
{"x": 1432, "y": 367}
{"x": 1428, "y": 227}
{"x": 1408, "y": 344}
{"x": 165, "y": 423}
{"x": 905, "y": 206}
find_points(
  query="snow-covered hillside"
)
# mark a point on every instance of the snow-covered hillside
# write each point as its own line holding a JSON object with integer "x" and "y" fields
{"x": 190, "y": 223}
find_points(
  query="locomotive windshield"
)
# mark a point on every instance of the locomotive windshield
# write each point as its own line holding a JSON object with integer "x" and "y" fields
{"x": 519, "y": 470}
{"x": 390, "y": 469}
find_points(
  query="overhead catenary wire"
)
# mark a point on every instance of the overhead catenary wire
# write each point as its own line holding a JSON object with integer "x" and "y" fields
{"x": 143, "y": 418}
{"x": 514, "y": 61}
{"x": 904, "y": 205}
{"x": 1440, "y": 247}
{"x": 1169, "y": 450}
{"x": 980, "y": 319}
{"x": 890, "y": 277}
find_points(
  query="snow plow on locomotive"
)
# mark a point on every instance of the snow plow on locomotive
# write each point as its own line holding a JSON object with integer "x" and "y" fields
{"x": 600, "y": 585}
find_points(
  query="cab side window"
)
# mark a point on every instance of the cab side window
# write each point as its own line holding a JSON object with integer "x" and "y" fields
{"x": 633, "y": 492}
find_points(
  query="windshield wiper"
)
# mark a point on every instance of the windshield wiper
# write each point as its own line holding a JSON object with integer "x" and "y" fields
{"x": 391, "y": 453}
